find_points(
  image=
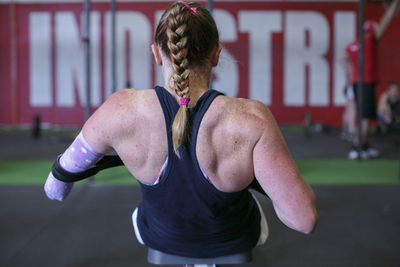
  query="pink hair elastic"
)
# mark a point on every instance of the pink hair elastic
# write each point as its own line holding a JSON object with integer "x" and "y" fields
{"x": 185, "y": 101}
{"x": 192, "y": 10}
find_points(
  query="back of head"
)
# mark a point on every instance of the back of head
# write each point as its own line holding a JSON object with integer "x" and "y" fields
{"x": 370, "y": 26}
{"x": 393, "y": 90}
{"x": 186, "y": 34}
{"x": 393, "y": 84}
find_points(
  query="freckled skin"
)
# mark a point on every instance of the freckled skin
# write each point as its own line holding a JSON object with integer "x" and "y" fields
{"x": 238, "y": 139}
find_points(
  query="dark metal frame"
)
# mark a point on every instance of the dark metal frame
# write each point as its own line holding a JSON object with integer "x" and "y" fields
{"x": 86, "y": 40}
{"x": 361, "y": 13}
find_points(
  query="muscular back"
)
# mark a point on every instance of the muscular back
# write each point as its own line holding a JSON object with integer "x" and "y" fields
{"x": 227, "y": 136}
{"x": 134, "y": 125}
{"x": 237, "y": 140}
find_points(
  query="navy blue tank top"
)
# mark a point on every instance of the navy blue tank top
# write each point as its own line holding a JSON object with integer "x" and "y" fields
{"x": 184, "y": 214}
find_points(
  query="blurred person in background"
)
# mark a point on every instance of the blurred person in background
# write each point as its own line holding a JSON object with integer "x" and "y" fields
{"x": 373, "y": 32}
{"x": 389, "y": 109}
{"x": 349, "y": 112}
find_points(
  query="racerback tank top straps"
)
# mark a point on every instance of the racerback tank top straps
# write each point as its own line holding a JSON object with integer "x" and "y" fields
{"x": 186, "y": 215}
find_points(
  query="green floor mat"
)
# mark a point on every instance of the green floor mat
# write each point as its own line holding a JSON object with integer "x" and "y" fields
{"x": 31, "y": 172}
{"x": 336, "y": 171}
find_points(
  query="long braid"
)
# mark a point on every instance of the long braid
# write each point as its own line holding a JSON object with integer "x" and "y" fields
{"x": 187, "y": 34}
{"x": 177, "y": 33}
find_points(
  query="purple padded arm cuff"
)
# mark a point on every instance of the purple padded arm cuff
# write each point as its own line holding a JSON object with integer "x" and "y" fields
{"x": 79, "y": 156}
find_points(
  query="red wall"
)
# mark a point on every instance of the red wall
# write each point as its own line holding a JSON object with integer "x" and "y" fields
{"x": 7, "y": 114}
{"x": 16, "y": 74}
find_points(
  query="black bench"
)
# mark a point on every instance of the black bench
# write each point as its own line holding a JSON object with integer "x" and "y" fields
{"x": 161, "y": 258}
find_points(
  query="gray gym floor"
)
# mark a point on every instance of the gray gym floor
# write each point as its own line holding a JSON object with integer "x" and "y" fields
{"x": 359, "y": 226}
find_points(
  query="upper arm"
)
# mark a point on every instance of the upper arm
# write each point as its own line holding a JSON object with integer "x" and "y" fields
{"x": 292, "y": 197}
{"x": 386, "y": 19}
{"x": 106, "y": 124}
{"x": 273, "y": 164}
{"x": 344, "y": 58}
{"x": 382, "y": 102}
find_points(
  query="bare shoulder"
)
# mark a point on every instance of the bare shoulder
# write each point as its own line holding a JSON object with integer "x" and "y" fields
{"x": 244, "y": 107}
{"x": 117, "y": 115}
{"x": 125, "y": 101}
{"x": 128, "y": 98}
{"x": 246, "y": 114}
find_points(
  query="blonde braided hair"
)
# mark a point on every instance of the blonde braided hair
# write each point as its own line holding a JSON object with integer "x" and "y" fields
{"x": 188, "y": 38}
